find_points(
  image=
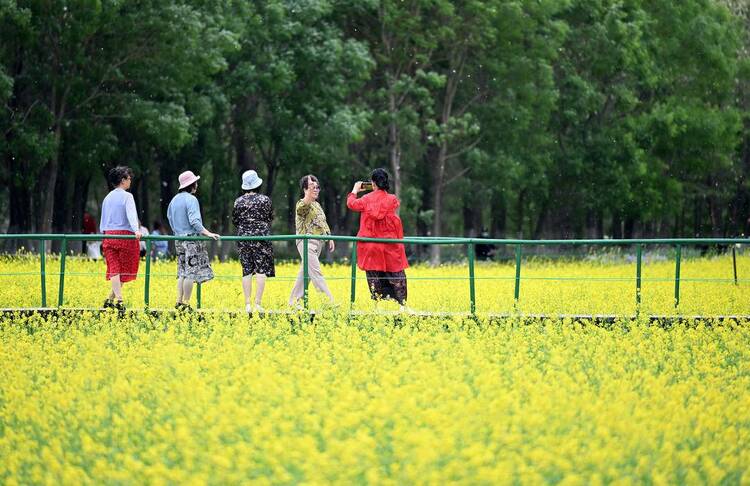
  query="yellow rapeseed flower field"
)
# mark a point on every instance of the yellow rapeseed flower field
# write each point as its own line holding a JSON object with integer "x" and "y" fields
{"x": 547, "y": 286}
{"x": 99, "y": 399}
{"x": 375, "y": 398}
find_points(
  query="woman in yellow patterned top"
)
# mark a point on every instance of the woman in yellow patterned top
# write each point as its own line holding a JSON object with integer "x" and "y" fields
{"x": 310, "y": 220}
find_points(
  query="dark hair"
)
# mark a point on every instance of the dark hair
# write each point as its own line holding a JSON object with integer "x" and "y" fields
{"x": 118, "y": 174}
{"x": 189, "y": 189}
{"x": 157, "y": 224}
{"x": 306, "y": 180}
{"x": 380, "y": 178}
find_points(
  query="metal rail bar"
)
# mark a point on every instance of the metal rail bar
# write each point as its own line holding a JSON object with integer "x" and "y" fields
{"x": 678, "y": 243}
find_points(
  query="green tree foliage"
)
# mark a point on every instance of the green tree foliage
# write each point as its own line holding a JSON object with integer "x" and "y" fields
{"x": 525, "y": 117}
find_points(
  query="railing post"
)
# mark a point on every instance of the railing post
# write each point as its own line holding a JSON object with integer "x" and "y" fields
{"x": 517, "y": 290}
{"x": 734, "y": 263}
{"x": 305, "y": 274}
{"x": 43, "y": 270}
{"x": 472, "y": 296}
{"x": 61, "y": 288}
{"x": 198, "y": 296}
{"x": 638, "y": 258}
{"x": 353, "y": 295}
{"x": 147, "y": 283}
{"x": 677, "y": 257}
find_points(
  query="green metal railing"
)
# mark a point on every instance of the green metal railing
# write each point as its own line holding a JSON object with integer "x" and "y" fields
{"x": 471, "y": 243}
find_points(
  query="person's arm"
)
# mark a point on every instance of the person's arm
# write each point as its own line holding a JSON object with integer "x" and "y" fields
{"x": 132, "y": 215}
{"x": 104, "y": 215}
{"x": 196, "y": 221}
{"x": 194, "y": 215}
{"x": 326, "y": 229}
{"x": 354, "y": 203}
{"x": 303, "y": 208}
{"x": 205, "y": 232}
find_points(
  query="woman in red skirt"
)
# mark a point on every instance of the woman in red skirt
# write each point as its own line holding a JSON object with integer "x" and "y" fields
{"x": 119, "y": 217}
{"x": 383, "y": 263}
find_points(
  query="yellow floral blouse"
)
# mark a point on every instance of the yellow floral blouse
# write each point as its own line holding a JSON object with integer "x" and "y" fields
{"x": 310, "y": 219}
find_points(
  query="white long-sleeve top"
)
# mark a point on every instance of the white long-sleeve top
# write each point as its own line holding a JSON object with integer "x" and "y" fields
{"x": 118, "y": 212}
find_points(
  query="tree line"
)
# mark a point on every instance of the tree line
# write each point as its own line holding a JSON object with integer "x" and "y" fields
{"x": 516, "y": 118}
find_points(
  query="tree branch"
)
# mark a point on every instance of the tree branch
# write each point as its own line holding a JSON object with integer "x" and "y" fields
{"x": 456, "y": 177}
{"x": 464, "y": 150}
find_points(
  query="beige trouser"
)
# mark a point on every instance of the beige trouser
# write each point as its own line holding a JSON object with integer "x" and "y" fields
{"x": 314, "y": 249}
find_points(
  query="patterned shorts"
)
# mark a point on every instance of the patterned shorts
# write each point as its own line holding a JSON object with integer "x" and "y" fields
{"x": 192, "y": 261}
{"x": 387, "y": 285}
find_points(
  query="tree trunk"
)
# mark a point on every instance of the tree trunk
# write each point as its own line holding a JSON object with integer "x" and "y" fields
{"x": 437, "y": 201}
{"x": 20, "y": 209}
{"x": 49, "y": 180}
{"x": 498, "y": 213}
{"x": 145, "y": 207}
{"x": 80, "y": 197}
{"x": 48, "y": 186}
{"x": 520, "y": 212}
{"x": 270, "y": 180}
{"x": 541, "y": 222}
{"x": 394, "y": 145}
{"x": 166, "y": 188}
{"x": 469, "y": 211}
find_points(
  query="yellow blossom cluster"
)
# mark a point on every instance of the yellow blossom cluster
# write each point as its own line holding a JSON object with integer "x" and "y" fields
{"x": 549, "y": 287}
{"x": 378, "y": 399}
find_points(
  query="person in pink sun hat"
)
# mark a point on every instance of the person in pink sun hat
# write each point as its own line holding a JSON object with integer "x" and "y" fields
{"x": 193, "y": 263}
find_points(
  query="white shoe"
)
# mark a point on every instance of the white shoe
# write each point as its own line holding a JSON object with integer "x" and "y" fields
{"x": 259, "y": 309}
{"x": 248, "y": 308}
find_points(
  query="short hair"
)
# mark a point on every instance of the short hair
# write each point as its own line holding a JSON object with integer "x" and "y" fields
{"x": 380, "y": 178}
{"x": 157, "y": 224}
{"x": 118, "y": 174}
{"x": 303, "y": 183}
{"x": 189, "y": 188}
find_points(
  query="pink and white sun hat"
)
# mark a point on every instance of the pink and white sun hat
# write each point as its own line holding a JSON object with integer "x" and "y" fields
{"x": 187, "y": 178}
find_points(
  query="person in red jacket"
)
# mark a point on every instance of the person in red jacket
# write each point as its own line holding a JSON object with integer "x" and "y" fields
{"x": 383, "y": 263}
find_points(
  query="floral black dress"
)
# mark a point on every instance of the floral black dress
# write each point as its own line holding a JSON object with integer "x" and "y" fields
{"x": 252, "y": 215}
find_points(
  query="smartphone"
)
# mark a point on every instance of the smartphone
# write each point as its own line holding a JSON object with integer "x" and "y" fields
{"x": 367, "y": 186}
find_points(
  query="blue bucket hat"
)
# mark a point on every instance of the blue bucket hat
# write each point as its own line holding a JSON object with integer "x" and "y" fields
{"x": 250, "y": 180}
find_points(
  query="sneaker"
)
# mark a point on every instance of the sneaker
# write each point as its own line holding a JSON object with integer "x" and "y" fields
{"x": 108, "y": 304}
{"x": 182, "y": 307}
{"x": 119, "y": 305}
{"x": 296, "y": 306}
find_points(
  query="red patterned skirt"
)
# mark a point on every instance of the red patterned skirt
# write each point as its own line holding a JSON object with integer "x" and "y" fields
{"x": 122, "y": 256}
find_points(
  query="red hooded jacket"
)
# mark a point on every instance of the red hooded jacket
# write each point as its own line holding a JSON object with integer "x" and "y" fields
{"x": 379, "y": 220}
